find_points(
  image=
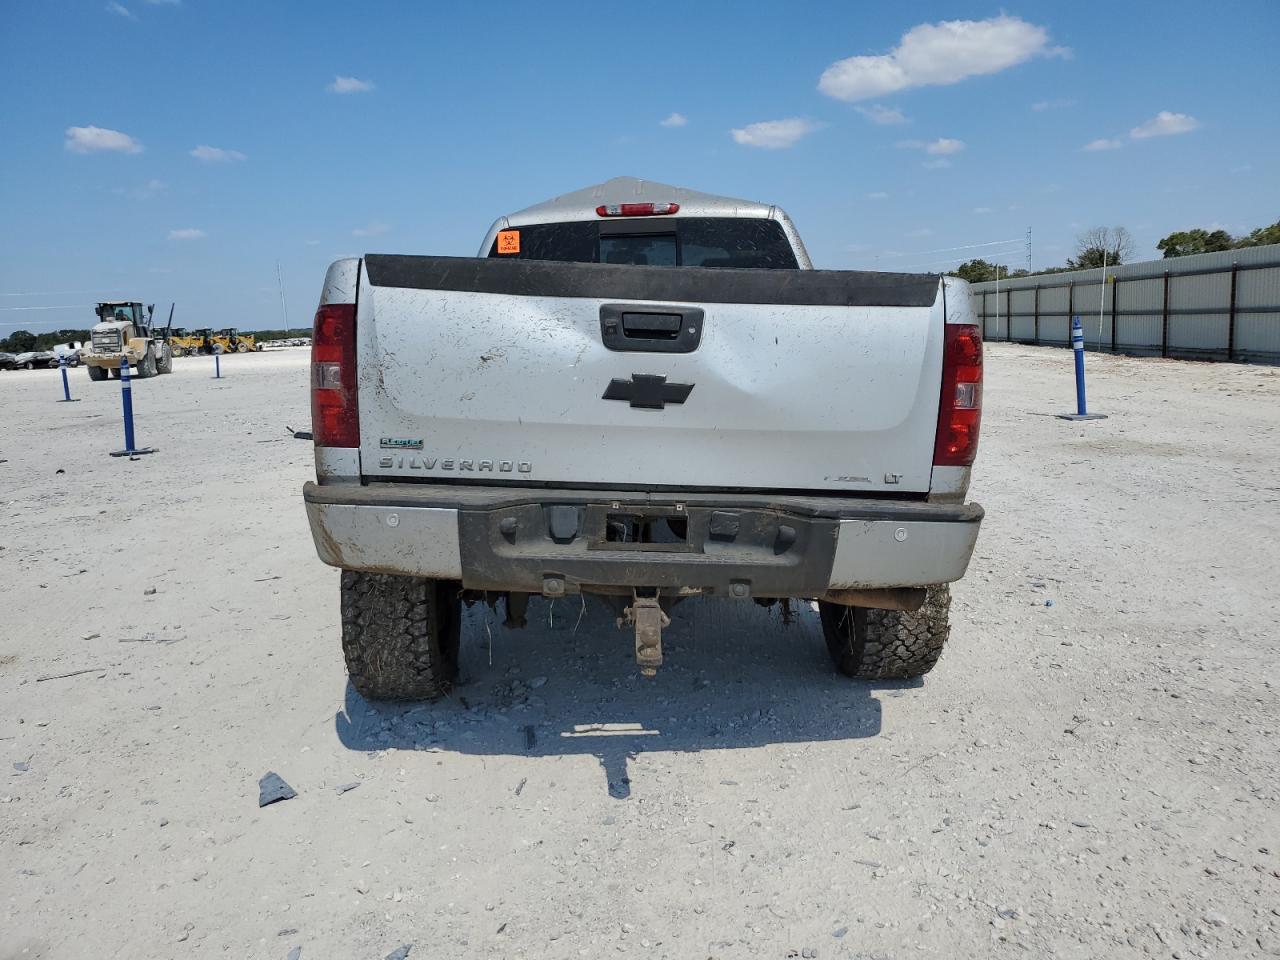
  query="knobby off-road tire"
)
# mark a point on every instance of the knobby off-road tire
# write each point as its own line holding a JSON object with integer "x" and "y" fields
{"x": 887, "y": 644}
{"x": 400, "y": 635}
{"x": 164, "y": 363}
{"x": 147, "y": 365}
{"x": 98, "y": 373}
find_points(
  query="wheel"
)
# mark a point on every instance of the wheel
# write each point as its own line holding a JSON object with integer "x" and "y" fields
{"x": 53, "y": 364}
{"x": 29, "y": 365}
{"x": 164, "y": 364}
{"x": 115, "y": 373}
{"x": 147, "y": 365}
{"x": 887, "y": 644}
{"x": 242, "y": 348}
{"x": 97, "y": 373}
{"x": 218, "y": 348}
{"x": 399, "y": 635}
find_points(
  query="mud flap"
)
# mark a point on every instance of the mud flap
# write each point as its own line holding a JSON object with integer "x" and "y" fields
{"x": 646, "y": 614}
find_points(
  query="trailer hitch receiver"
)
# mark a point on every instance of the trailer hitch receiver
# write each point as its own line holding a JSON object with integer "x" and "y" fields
{"x": 646, "y": 614}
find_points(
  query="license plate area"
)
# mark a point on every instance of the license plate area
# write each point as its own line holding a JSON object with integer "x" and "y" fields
{"x": 659, "y": 528}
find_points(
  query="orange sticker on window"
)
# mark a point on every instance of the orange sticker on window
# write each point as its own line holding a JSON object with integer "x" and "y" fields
{"x": 508, "y": 241}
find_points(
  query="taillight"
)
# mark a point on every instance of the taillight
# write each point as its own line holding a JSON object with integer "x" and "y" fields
{"x": 335, "y": 418}
{"x": 960, "y": 410}
{"x": 636, "y": 209}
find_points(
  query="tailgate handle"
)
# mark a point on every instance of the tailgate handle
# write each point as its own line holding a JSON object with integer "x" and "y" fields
{"x": 651, "y": 329}
{"x": 652, "y": 326}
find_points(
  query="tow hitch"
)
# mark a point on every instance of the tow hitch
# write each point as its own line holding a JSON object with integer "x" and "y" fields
{"x": 646, "y": 614}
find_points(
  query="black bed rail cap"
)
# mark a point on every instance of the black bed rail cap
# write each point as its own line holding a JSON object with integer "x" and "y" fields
{"x": 610, "y": 281}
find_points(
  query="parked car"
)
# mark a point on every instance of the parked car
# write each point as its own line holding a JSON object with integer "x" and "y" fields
{"x": 8, "y": 361}
{"x": 39, "y": 358}
{"x": 647, "y": 394}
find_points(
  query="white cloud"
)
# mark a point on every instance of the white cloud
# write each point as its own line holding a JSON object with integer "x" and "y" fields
{"x": 981, "y": 209}
{"x": 120, "y": 10}
{"x": 774, "y": 134}
{"x": 144, "y": 192}
{"x": 94, "y": 139}
{"x": 1041, "y": 105}
{"x": 942, "y": 147}
{"x": 675, "y": 120}
{"x": 938, "y": 54}
{"x": 349, "y": 85}
{"x": 884, "y": 116}
{"x": 1164, "y": 124}
{"x": 187, "y": 233}
{"x": 878, "y": 195}
{"x": 375, "y": 229}
{"x": 208, "y": 154}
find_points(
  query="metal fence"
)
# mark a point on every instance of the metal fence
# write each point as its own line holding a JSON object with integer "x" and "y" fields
{"x": 1213, "y": 306}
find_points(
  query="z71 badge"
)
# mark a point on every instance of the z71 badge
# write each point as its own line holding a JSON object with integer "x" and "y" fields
{"x": 400, "y": 443}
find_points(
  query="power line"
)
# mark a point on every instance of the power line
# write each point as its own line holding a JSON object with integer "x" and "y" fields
{"x": 61, "y": 293}
{"x": 930, "y": 263}
{"x": 70, "y": 306}
{"x": 967, "y": 246}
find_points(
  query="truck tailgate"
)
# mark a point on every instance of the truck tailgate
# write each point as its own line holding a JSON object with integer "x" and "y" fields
{"x": 568, "y": 373}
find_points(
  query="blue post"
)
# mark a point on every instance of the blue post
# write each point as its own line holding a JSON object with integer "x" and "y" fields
{"x": 217, "y": 367}
{"x": 126, "y": 393}
{"x": 66, "y": 386}
{"x": 1077, "y": 347}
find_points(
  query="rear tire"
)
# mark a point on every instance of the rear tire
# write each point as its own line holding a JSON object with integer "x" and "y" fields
{"x": 218, "y": 349}
{"x": 165, "y": 362}
{"x": 400, "y": 635}
{"x": 242, "y": 348}
{"x": 97, "y": 373}
{"x": 887, "y": 644}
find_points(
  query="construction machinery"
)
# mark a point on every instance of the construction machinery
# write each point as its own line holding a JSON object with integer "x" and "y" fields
{"x": 239, "y": 342}
{"x": 186, "y": 343}
{"x": 124, "y": 331}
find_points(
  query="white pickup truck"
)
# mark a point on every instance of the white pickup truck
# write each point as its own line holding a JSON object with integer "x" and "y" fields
{"x": 647, "y": 394}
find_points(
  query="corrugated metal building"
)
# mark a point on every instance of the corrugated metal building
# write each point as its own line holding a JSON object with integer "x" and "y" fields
{"x": 1215, "y": 306}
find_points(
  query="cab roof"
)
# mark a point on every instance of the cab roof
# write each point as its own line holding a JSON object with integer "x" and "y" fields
{"x": 581, "y": 204}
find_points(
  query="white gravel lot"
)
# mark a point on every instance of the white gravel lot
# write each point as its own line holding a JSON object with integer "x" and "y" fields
{"x": 1099, "y": 777}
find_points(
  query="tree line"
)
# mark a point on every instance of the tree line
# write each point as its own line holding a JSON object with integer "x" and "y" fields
{"x": 24, "y": 341}
{"x": 1114, "y": 246}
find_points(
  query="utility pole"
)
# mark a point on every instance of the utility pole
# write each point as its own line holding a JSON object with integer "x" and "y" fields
{"x": 284, "y": 308}
{"x": 1028, "y": 249}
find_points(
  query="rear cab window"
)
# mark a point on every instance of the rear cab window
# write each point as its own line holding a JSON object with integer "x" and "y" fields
{"x": 731, "y": 242}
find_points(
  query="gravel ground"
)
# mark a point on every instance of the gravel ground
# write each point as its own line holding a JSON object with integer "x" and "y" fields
{"x": 1091, "y": 771}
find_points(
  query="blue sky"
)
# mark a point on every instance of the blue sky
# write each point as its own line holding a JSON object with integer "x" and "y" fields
{"x": 447, "y": 116}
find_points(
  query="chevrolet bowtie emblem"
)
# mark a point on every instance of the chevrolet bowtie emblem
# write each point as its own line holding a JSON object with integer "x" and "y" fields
{"x": 647, "y": 391}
